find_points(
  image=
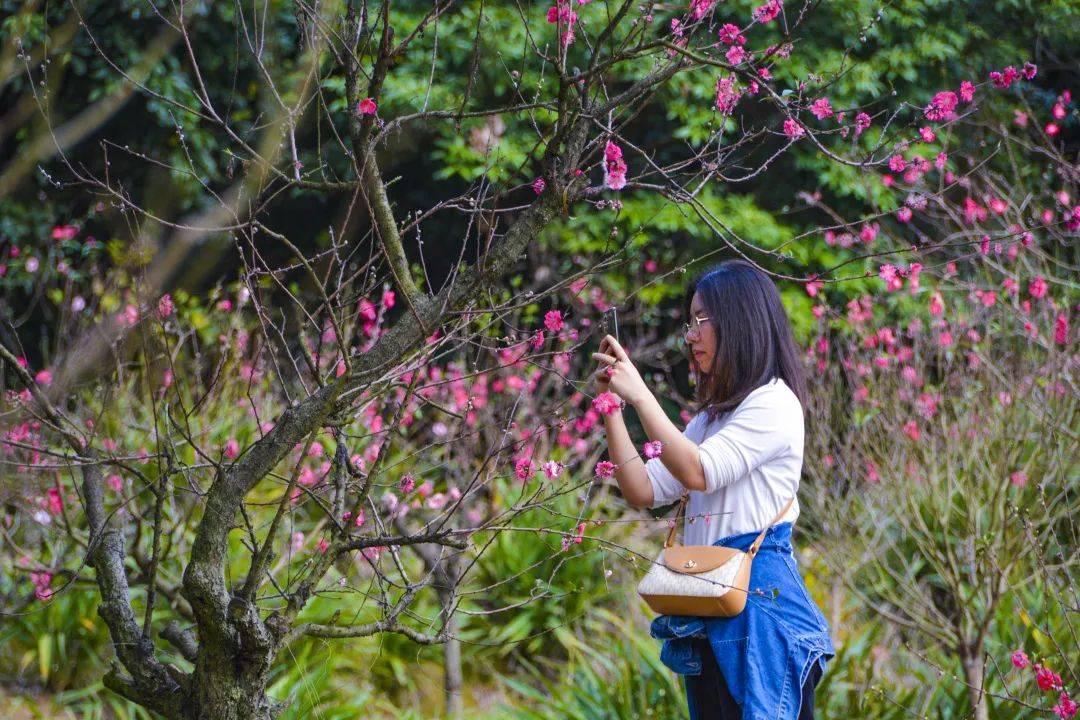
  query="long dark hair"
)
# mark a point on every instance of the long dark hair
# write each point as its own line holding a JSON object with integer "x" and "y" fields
{"x": 754, "y": 342}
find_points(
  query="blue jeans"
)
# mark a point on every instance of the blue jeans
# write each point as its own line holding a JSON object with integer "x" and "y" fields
{"x": 708, "y": 697}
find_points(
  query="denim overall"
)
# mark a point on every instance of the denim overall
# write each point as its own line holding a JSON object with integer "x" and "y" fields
{"x": 766, "y": 651}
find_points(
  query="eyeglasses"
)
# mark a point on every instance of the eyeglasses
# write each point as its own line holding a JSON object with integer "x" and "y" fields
{"x": 695, "y": 324}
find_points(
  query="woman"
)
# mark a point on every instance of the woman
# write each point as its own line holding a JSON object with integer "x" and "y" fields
{"x": 740, "y": 459}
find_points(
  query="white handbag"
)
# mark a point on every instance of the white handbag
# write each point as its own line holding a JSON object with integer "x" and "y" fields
{"x": 700, "y": 580}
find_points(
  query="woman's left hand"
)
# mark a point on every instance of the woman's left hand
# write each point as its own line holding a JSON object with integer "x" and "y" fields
{"x": 625, "y": 381}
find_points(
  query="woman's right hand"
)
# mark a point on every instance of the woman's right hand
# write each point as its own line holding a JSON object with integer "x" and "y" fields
{"x": 601, "y": 380}
{"x": 602, "y": 377}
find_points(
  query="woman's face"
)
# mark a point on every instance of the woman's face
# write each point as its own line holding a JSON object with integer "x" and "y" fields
{"x": 700, "y": 340}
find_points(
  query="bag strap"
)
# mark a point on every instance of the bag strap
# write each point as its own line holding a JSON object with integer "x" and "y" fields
{"x": 681, "y": 513}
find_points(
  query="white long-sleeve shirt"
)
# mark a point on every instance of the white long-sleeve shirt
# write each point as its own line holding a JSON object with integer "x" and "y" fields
{"x": 752, "y": 457}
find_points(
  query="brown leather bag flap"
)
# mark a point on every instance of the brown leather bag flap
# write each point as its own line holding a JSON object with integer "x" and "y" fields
{"x": 691, "y": 559}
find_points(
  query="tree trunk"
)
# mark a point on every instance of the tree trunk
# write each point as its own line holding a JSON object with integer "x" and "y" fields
{"x": 222, "y": 696}
{"x": 452, "y": 676}
{"x": 229, "y": 682}
{"x": 974, "y": 673}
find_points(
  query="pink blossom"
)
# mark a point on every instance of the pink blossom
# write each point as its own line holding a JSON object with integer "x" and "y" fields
{"x": 322, "y": 545}
{"x": 1037, "y": 287}
{"x": 372, "y": 553}
{"x": 887, "y": 272}
{"x": 561, "y": 14}
{"x": 862, "y": 121}
{"x": 942, "y": 107}
{"x": 579, "y": 532}
{"x": 232, "y": 448}
{"x": 115, "y": 483}
{"x": 64, "y": 232}
{"x": 927, "y": 134}
{"x": 735, "y": 54}
{"x": 1047, "y": 679}
{"x": 973, "y": 211}
{"x": 767, "y": 12}
{"x": 552, "y": 468}
{"x": 425, "y": 488}
{"x": 129, "y": 316}
{"x": 730, "y": 35}
{"x": 967, "y": 91}
{"x": 553, "y": 320}
{"x": 1065, "y": 707}
{"x": 366, "y": 106}
{"x": 605, "y": 469}
{"x": 653, "y": 449}
{"x": 606, "y": 403}
{"x": 523, "y": 468}
{"x": 165, "y": 306}
{"x": 41, "y": 581}
{"x": 1061, "y": 329}
{"x": 813, "y": 287}
{"x": 538, "y": 185}
{"x": 868, "y": 233}
{"x": 407, "y": 484}
{"x": 367, "y": 310}
{"x": 897, "y": 163}
{"x": 1019, "y": 479}
{"x": 698, "y": 8}
{"x": 437, "y": 501}
{"x": 43, "y": 377}
{"x": 1004, "y": 78}
{"x": 792, "y": 129}
{"x": 821, "y": 108}
{"x": 614, "y": 167}
{"x": 726, "y": 94}
{"x": 54, "y": 503}
{"x": 911, "y": 429}
{"x": 904, "y": 214}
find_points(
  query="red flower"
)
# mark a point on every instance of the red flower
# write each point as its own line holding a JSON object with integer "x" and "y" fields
{"x": 942, "y": 107}
{"x": 606, "y": 403}
{"x": 366, "y": 107}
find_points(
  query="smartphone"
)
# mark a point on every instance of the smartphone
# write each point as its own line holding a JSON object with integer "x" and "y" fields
{"x": 609, "y": 323}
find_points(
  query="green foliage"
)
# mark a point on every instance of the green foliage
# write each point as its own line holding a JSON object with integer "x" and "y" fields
{"x": 621, "y": 678}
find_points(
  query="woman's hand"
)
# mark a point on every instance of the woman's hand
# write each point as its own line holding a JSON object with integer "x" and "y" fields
{"x": 622, "y": 377}
{"x": 601, "y": 378}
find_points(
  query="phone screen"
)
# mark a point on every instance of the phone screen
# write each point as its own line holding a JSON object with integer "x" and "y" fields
{"x": 610, "y": 323}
